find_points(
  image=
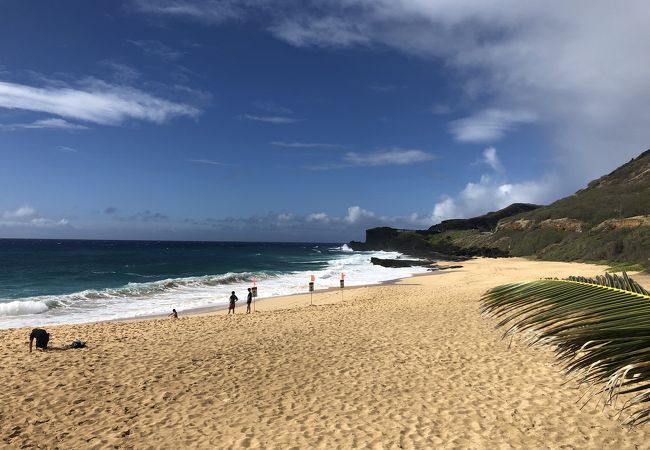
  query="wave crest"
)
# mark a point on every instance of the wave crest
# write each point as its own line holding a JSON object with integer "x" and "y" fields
{"x": 21, "y": 308}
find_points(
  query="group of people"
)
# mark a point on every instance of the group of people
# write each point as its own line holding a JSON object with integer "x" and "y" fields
{"x": 231, "y": 308}
{"x": 234, "y": 299}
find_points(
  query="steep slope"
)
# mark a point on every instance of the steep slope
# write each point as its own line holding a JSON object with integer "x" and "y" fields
{"x": 607, "y": 221}
{"x": 486, "y": 222}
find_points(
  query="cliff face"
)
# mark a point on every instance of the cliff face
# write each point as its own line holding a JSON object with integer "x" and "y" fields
{"x": 486, "y": 222}
{"x": 607, "y": 221}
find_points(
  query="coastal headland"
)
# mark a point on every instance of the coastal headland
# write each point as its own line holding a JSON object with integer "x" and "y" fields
{"x": 404, "y": 365}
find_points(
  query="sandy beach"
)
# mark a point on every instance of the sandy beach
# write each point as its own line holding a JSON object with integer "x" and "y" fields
{"x": 404, "y": 365}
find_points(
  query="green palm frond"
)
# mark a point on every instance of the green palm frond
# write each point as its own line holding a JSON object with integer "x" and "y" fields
{"x": 600, "y": 329}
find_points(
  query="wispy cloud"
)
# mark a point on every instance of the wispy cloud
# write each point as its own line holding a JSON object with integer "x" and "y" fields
{"x": 207, "y": 11}
{"x": 145, "y": 216}
{"x": 209, "y": 162}
{"x": 19, "y": 213}
{"x": 306, "y": 145}
{"x": 491, "y": 158}
{"x": 48, "y": 124}
{"x": 393, "y": 156}
{"x": 440, "y": 109}
{"x": 388, "y": 157}
{"x": 273, "y": 108}
{"x": 321, "y": 31}
{"x": 65, "y": 148}
{"x": 272, "y": 119}
{"x": 96, "y": 102}
{"x": 120, "y": 72}
{"x": 488, "y": 125}
{"x": 157, "y": 48}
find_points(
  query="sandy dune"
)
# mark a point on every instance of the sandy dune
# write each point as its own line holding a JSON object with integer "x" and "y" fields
{"x": 410, "y": 365}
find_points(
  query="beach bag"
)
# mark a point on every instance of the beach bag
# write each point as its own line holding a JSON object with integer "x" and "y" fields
{"x": 78, "y": 344}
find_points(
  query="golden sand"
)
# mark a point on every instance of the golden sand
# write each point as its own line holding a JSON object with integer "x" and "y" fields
{"x": 409, "y": 365}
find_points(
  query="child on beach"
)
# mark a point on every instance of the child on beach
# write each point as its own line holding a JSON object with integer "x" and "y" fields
{"x": 233, "y": 299}
{"x": 249, "y": 300}
{"x": 174, "y": 314}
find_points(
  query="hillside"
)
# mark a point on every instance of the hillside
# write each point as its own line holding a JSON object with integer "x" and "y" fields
{"x": 608, "y": 221}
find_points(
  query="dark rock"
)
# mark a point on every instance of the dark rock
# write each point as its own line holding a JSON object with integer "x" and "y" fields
{"x": 400, "y": 262}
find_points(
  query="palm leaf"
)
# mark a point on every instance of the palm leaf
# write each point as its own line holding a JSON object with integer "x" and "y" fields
{"x": 600, "y": 329}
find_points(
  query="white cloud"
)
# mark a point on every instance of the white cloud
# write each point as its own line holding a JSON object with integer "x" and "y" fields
{"x": 491, "y": 195}
{"x": 272, "y": 119}
{"x": 357, "y": 214}
{"x": 97, "y": 102}
{"x": 20, "y": 213}
{"x": 43, "y": 222}
{"x": 488, "y": 125}
{"x": 491, "y": 158}
{"x": 318, "y": 217}
{"x": 26, "y": 216}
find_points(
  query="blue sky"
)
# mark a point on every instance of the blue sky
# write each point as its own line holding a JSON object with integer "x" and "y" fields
{"x": 307, "y": 121}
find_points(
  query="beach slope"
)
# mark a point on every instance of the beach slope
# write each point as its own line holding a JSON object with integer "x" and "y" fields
{"x": 405, "y": 365}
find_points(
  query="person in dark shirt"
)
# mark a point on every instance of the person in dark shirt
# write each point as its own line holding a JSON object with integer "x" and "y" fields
{"x": 249, "y": 300}
{"x": 233, "y": 299}
{"x": 41, "y": 336}
{"x": 173, "y": 314}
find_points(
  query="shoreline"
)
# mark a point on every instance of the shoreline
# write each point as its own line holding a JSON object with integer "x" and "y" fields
{"x": 409, "y": 364}
{"x": 207, "y": 310}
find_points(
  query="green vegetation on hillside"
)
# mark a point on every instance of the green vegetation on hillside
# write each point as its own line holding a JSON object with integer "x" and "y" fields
{"x": 608, "y": 221}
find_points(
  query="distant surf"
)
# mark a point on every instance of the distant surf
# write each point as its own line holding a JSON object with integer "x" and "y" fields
{"x": 118, "y": 280}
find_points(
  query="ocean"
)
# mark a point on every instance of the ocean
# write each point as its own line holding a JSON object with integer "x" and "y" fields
{"x": 45, "y": 282}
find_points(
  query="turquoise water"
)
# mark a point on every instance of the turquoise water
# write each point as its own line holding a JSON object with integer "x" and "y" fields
{"x": 72, "y": 281}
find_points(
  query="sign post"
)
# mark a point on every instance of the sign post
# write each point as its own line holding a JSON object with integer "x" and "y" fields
{"x": 311, "y": 291}
{"x": 254, "y": 292}
{"x": 342, "y": 284}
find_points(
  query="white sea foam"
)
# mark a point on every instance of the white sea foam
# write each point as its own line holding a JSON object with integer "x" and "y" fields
{"x": 21, "y": 308}
{"x": 159, "y": 297}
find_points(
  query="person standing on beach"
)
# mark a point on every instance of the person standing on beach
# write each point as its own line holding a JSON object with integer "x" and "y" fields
{"x": 249, "y": 300}
{"x": 42, "y": 338}
{"x": 233, "y": 299}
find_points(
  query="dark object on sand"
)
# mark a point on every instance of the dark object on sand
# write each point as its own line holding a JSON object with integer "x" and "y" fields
{"x": 78, "y": 344}
{"x": 41, "y": 336}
